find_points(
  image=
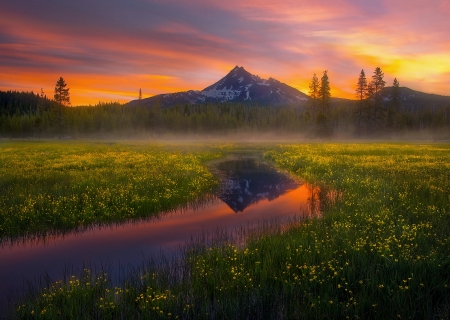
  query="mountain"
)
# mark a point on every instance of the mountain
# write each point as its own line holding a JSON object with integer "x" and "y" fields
{"x": 241, "y": 86}
{"x": 237, "y": 86}
{"x": 412, "y": 99}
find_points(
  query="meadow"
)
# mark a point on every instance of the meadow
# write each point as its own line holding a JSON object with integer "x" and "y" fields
{"x": 380, "y": 251}
{"x": 52, "y": 188}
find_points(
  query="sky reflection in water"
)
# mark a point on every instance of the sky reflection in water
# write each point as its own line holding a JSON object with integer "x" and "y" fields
{"x": 250, "y": 193}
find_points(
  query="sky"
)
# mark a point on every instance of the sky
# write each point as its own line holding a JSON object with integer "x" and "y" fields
{"x": 106, "y": 50}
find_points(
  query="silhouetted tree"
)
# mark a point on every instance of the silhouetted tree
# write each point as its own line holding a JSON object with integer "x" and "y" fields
{"x": 361, "y": 94}
{"x": 324, "y": 101}
{"x": 314, "y": 86}
{"x": 62, "y": 95}
{"x": 140, "y": 93}
{"x": 324, "y": 92}
{"x": 378, "y": 80}
{"x": 377, "y": 84}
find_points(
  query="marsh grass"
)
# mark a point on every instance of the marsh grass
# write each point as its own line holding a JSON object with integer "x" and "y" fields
{"x": 151, "y": 290}
{"x": 380, "y": 251}
{"x": 48, "y": 188}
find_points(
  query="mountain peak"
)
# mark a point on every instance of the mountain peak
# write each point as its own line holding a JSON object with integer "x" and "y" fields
{"x": 238, "y": 85}
{"x": 238, "y": 70}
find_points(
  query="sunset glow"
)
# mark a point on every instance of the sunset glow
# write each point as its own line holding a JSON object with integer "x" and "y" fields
{"x": 108, "y": 50}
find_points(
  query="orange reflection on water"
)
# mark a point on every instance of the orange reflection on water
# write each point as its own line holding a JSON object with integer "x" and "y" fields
{"x": 177, "y": 227}
{"x": 132, "y": 242}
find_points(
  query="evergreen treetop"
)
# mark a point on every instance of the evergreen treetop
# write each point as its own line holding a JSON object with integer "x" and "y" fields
{"x": 324, "y": 92}
{"x": 361, "y": 86}
{"x": 314, "y": 88}
{"x": 62, "y": 95}
{"x": 378, "y": 80}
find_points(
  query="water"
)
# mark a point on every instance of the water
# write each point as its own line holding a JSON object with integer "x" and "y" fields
{"x": 250, "y": 193}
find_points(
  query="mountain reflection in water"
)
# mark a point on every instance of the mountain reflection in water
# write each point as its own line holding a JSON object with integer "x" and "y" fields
{"x": 248, "y": 181}
{"x": 251, "y": 189}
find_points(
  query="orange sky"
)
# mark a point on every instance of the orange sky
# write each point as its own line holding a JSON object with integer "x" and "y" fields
{"x": 107, "y": 50}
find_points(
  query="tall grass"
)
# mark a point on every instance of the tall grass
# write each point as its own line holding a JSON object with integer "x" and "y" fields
{"x": 381, "y": 251}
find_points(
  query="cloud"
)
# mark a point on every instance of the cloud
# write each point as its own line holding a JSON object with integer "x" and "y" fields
{"x": 168, "y": 46}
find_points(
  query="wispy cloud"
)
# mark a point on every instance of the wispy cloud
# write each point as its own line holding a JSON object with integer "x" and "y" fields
{"x": 107, "y": 50}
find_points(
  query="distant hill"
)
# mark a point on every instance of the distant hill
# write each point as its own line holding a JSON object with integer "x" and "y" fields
{"x": 237, "y": 86}
{"x": 412, "y": 99}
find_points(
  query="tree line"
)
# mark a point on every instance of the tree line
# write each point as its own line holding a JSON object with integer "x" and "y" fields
{"x": 114, "y": 119}
{"x": 372, "y": 114}
{"x": 35, "y": 115}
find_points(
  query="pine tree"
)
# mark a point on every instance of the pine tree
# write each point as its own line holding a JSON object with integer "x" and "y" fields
{"x": 140, "y": 93}
{"x": 324, "y": 92}
{"x": 377, "y": 84}
{"x": 62, "y": 95}
{"x": 361, "y": 94}
{"x": 361, "y": 86}
{"x": 377, "y": 80}
{"x": 314, "y": 94}
{"x": 322, "y": 121}
{"x": 314, "y": 88}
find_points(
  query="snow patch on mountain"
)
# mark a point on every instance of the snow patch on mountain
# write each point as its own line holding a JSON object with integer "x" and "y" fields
{"x": 264, "y": 83}
{"x": 223, "y": 94}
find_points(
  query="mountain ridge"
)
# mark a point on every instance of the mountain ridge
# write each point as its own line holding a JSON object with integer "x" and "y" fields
{"x": 241, "y": 86}
{"x": 238, "y": 85}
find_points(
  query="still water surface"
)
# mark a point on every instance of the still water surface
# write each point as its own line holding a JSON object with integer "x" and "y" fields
{"x": 250, "y": 192}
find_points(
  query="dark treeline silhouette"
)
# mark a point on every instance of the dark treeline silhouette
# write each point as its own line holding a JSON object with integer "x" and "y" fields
{"x": 25, "y": 114}
{"x": 24, "y": 103}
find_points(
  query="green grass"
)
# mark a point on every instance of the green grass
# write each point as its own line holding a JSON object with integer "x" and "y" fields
{"x": 381, "y": 251}
{"x": 51, "y": 187}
